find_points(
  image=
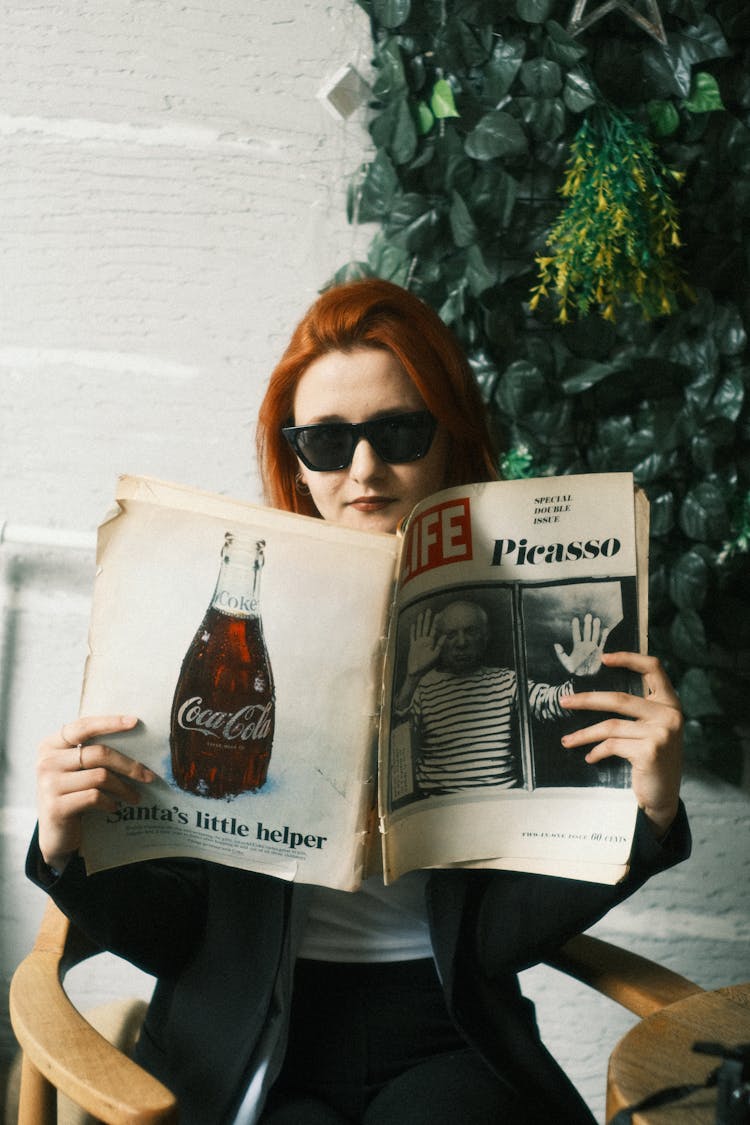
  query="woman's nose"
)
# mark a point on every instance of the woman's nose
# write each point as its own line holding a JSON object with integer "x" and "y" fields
{"x": 365, "y": 461}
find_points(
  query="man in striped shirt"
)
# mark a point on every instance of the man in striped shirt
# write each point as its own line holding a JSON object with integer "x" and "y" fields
{"x": 463, "y": 711}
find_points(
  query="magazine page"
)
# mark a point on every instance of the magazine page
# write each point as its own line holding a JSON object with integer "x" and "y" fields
{"x": 249, "y": 642}
{"x": 508, "y": 592}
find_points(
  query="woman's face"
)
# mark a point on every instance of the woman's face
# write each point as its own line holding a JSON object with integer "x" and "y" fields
{"x": 355, "y": 386}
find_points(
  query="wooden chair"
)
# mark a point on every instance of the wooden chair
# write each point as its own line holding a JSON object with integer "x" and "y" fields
{"x": 62, "y": 1052}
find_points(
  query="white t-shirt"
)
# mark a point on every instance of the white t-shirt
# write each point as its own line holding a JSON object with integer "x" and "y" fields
{"x": 375, "y": 923}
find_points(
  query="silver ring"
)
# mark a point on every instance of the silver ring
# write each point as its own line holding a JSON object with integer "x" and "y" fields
{"x": 62, "y": 736}
{"x": 79, "y": 748}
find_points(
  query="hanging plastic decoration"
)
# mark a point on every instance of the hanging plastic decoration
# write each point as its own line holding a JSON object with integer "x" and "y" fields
{"x": 615, "y": 241}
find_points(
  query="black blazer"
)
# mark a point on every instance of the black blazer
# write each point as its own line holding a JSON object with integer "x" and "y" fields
{"x": 214, "y": 936}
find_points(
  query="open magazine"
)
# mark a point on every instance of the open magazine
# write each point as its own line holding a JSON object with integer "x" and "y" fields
{"x": 322, "y": 704}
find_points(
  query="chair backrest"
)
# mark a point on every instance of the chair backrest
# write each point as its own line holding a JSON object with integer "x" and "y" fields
{"x": 62, "y": 1051}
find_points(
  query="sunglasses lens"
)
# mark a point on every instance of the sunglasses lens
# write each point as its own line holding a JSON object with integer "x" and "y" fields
{"x": 325, "y": 447}
{"x": 406, "y": 437}
{"x": 396, "y": 439}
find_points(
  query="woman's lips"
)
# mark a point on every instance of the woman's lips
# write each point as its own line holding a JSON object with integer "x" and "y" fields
{"x": 370, "y": 503}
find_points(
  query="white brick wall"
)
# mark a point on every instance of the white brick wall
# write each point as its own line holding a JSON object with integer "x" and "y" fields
{"x": 172, "y": 195}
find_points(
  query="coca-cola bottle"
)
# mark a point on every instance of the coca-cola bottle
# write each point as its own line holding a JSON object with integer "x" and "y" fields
{"x": 223, "y": 710}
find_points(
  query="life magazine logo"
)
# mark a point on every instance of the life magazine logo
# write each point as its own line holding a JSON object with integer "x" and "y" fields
{"x": 438, "y": 536}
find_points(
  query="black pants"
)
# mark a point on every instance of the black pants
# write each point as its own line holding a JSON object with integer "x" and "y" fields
{"x": 374, "y": 1044}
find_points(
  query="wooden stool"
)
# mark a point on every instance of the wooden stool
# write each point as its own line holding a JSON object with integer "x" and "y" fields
{"x": 657, "y": 1053}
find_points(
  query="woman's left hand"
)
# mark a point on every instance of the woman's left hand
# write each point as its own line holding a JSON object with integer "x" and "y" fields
{"x": 649, "y": 735}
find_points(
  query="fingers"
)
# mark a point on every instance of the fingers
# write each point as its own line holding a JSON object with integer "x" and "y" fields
{"x": 656, "y": 681}
{"x": 65, "y": 770}
{"x": 74, "y": 777}
{"x": 88, "y": 727}
{"x": 425, "y": 645}
{"x": 657, "y": 686}
{"x": 424, "y": 627}
{"x": 592, "y": 633}
{"x": 59, "y": 754}
{"x": 663, "y": 728}
{"x": 104, "y": 769}
{"x": 56, "y": 752}
{"x": 645, "y": 730}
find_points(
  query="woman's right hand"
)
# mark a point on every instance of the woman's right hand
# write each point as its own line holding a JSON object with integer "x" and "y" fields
{"x": 77, "y": 772}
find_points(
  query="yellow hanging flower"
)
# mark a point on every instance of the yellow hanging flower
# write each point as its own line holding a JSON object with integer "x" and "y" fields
{"x": 613, "y": 240}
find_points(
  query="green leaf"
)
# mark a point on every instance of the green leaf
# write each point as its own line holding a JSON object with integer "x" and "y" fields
{"x": 704, "y": 94}
{"x": 502, "y": 68}
{"x": 404, "y": 137}
{"x": 453, "y": 308}
{"x": 652, "y": 467}
{"x": 730, "y": 334}
{"x": 390, "y": 77}
{"x": 412, "y": 222}
{"x": 478, "y": 275}
{"x": 425, "y": 118}
{"x": 688, "y": 637}
{"x": 496, "y": 134}
{"x": 703, "y": 41}
{"x": 352, "y": 271}
{"x": 662, "y": 510}
{"x": 703, "y": 514}
{"x": 671, "y": 69}
{"x": 728, "y": 398}
{"x": 441, "y": 100}
{"x": 463, "y": 227}
{"x": 475, "y": 43}
{"x": 387, "y": 260}
{"x": 541, "y": 78}
{"x": 459, "y": 45}
{"x": 591, "y": 374}
{"x": 703, "y": 452}
{"x": 667, "y": 72}
{"x": 406, "y": 209}
{"x": 551, "y": 424}
{"x": 544, "y": 116}
{"x": 391, "y": 13}
{"x": 578, "y": 92}
{"x": 697, "y": 696}
{"x": 493, "y": 194}
{"x": 564, "y": 48}
{"x": 520, "y": 389}
{"x": 534, "y": 11}
{"x": 378, "y": 190}
{"x": 736, "y": 145}
{"x": 664, "y": 118}
{"x": 688, "y": 581}
{"x": 485, "y": 371}
{"x": 394, "y": 130}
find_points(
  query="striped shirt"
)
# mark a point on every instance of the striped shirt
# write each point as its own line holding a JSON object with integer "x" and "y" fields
{"x": 464, "y": 727}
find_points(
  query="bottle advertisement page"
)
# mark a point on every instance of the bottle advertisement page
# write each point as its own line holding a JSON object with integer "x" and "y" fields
{"x": 249, "y": 644}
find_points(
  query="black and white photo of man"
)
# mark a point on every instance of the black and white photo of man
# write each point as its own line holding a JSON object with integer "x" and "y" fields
{"x": 463, "y": 708}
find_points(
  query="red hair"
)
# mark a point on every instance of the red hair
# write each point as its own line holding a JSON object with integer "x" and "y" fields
{"x": 376, "y": 314}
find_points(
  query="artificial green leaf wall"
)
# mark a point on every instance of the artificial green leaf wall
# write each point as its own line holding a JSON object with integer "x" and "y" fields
{"x": 475, "y": 106}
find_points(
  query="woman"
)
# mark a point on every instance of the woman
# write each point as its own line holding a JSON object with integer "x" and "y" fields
{"x": 297, "y": 1005}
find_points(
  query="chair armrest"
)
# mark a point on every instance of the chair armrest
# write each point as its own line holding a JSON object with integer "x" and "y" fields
{"x": 634, "y": 982}
{"x": 68, "y": 1052}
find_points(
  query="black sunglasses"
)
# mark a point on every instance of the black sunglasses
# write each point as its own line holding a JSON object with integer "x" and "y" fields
{"x": 396, "y": 438}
